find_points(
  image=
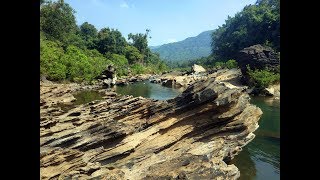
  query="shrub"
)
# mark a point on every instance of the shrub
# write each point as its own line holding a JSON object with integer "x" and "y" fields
{"x": 57, "y": 71}
{"x": 50, "y": 63}
{"x": 133, "y": 54}
{"x": 138, "y": 69}
{"x": 219, "y": 64}
{"x": 231, "y": 64}
{"x": 263, "y": 78}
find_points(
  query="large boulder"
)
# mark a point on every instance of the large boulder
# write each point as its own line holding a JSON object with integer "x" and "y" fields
{"x": 196, "y": 69}
{"x": 257, "y": 57}
{"x": 108, "y": 76}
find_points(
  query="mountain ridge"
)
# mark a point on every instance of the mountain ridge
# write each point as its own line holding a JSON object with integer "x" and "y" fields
{"x": 187, "y": 49}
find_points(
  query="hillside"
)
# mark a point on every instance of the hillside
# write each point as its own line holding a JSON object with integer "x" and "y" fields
{"x": 190, "y": 48}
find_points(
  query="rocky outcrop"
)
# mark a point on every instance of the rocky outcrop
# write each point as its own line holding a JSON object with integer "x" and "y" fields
{"x": 182, "y": 81}
{"x": 196, "y": 69}
{"x": 122, "y": 137}
{"x": 273, "y": 90}
{"x": 108, "y": 76}
{"x": 257, "y": 57}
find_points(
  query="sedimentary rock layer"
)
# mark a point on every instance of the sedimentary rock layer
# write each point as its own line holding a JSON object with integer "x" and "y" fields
{"x": 124, "y": 137}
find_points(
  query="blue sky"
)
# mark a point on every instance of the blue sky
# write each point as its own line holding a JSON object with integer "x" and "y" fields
{"x": 169, "y": 20}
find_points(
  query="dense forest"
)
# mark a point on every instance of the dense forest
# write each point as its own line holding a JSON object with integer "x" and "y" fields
{"x": 188, "y": 49}
{"x": 80, "y": 53}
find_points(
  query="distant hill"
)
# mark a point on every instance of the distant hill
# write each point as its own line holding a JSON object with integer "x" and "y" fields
{"x": 190, "y": 48}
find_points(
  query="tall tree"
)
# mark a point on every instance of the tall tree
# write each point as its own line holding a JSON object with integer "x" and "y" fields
{"x": 140, "y": 41}
{"x": 57, "y": 20}
{"x": 111, "y": 41}
{"x": 89, "y": 34}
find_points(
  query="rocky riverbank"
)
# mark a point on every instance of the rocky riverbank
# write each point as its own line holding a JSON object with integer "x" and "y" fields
{"x": 121, "y": 137}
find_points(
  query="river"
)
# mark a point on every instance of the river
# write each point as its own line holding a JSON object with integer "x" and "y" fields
{"x": 260, "y": 159}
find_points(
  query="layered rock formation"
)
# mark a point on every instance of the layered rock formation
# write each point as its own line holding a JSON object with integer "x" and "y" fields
{"x": 122, "y": 137}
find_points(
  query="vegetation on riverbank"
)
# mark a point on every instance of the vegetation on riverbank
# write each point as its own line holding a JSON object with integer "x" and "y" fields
{"x": 255, "y": 24}
{"x": 81, "y": 53}
{"x": 263, "y": 78}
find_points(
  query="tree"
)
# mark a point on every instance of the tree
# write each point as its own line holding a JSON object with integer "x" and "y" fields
{"x": 140, "y": 41}
{"x": 255, "y": 24}
{"x": 57, "y": 20}
{"x": 111, "y": 41}
{"x": 89, "y": 34}
{"x": 133, "y": 55}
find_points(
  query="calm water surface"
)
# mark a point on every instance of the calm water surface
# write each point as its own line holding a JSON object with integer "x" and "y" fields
{"x": 148, "y": 90}
{"x": 260, "y": 159}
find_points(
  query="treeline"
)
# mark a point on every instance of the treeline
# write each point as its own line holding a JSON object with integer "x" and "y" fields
{"x": 81, "y": 53}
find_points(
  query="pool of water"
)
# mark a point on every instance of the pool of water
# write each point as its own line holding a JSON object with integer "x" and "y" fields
{"x": 260, "y": 159}
{"x": 82, "y": 97}
{"x": 148, "y": 90}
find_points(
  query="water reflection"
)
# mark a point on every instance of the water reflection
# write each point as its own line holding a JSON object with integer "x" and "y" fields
{"x": 260, "y": 159}
{"x": 82, "y": 97}
{"x": 148, "y": 90}
{"x": 264, "y": 150}
{"x": 246, "y": 165}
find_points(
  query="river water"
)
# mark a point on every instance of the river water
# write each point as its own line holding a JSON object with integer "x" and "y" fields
{"x": 260, "y": 159}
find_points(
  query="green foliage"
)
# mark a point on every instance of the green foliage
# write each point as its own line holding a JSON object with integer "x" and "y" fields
{"x": 89, "y": 34}
{"x": 220, "y": 64}
{"x": 78, "y": 65}
{"x": 57, "y": 20}
{"x": 255, "y": 24}
{"x": 50, "y": 55}
{"x": 133, "y": 55}
{"x": 140, "y": 41}
{"x": 263, "y": 78}
{"x": 68, "y": 52}
{"x": 57, "y": 71}
{"x": 138, "y": 69}
{"x": 74, "y": 64}
{"x": 110, "y": 41}
{"x": 231, "y": 64}
{"x": 120, "y": 62}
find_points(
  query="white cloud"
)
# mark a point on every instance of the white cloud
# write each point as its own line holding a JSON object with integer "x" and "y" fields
{"x": 124, "y": 5}
{"x": 171, "y": 40}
